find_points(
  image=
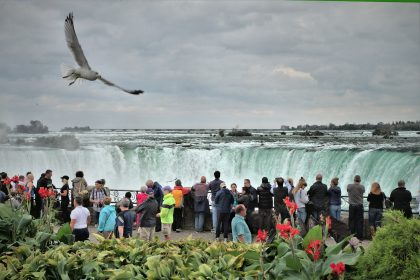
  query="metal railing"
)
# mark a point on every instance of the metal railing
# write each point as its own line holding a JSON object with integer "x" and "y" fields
{"x": 118, "y": 194}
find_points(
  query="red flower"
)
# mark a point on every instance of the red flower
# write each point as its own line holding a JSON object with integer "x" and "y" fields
{"x": 28, "y": 196}
{"x": 338, "y": 268}
{"x": 262, "y": 235}
{"x": 7, "y": 181}
{"x": 15, "y": 179}
{"x": 290, "y": 205}
{"x": 43, "y": 192}
{"x": 286, "y": 230}
{"x": 314, "y": 249}
{"x": 51, "y": 193}
{"x": 328, "y": 222}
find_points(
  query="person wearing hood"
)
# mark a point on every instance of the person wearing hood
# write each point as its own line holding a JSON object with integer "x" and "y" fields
{"x": 224, "y": 201}
{"x": 178, "y": 194}
{"x": 148, "y": 210}
{"x": 79, "y": 184}
{"x": 265, "y": 205}
{"x": 107, "y": 219}
{"x": 167, "y": 212}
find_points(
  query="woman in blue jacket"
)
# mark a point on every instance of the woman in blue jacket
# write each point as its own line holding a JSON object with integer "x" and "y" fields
{"x": 107, "y": 218}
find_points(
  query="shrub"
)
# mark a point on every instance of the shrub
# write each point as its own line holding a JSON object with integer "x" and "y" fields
{"x": 394, "y": 252}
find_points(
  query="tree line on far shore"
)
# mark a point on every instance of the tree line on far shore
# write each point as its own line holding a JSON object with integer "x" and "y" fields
{"x": 37, "y": 127}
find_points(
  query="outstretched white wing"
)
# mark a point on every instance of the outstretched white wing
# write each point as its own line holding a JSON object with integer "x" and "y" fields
{"x": 73, "y": 42}
{"x": 137, "y": 92}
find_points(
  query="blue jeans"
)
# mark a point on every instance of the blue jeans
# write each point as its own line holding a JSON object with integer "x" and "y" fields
{"x": 199, "y": 221}
{"x": 335, "y": 211}
{"x": 214, "y": 215}
{"x": 375, "y": 217}
{"x": 301, "y": 213}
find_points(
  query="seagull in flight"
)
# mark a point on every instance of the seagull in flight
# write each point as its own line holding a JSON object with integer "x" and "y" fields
{"x": 84, "y": 71}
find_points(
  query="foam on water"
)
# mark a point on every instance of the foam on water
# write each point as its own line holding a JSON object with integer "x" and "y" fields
{"x": 127, "y": 158}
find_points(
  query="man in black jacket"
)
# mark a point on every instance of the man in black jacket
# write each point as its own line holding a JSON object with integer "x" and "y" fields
{"x": 148, "y": 210}
{"x": 265, "y": 205}
{"x": 280, "y": 193}
{"x": 254, "y": 196}
{"x": 318, "y": 194}
{"x": 401, "y": 197}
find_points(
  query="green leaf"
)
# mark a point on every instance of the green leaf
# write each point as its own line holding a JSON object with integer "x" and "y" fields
{"x": 292, "y": 262}
{"x": 282, "y": 249}
{"x": 346, "y": 258}
{"x": 62, "y": 231}
{"x": 205, "y": 270}
{"x": 42, "y": 237}
{"x": 23, "y": 222}
{"x": 6, "y": 211}
{"x": 314, "y": 233}
{"x": 336, "y": 248}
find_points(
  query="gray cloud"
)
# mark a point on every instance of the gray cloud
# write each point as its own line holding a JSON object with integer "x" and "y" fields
{"x": 206, "y": 64}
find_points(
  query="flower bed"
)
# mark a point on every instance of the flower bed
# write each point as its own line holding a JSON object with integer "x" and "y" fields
{"x": 289, "y": 256}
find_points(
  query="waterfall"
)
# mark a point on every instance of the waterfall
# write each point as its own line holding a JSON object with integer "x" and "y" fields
{"x": 129, "y": 168}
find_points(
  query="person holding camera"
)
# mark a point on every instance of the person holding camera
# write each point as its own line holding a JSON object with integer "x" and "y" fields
{"x": 97, "y": 197}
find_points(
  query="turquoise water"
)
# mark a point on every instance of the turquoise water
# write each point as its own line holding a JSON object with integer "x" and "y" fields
{"x": 126, "y": 159}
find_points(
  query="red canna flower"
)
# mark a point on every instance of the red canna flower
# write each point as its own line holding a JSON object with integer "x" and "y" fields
{"x": 314, "y": 249}
{"x": 286, "y": 231}
{"x": 7, "y": 181}
{"x": 328, "y": 222}
{"x": 261, "y": 236}
{"x": 15, "y": 179}
{"x": 338, "y": 268}
{"x": 51, "y": 193}
{"x": 43, "y": 192}
{"x": 290, "y": 205}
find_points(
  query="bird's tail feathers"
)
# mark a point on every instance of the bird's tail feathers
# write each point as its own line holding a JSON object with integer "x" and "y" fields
{"x": 67, "y": 72}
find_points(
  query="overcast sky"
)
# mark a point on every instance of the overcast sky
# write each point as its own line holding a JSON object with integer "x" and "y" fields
{"x": 215, "y": 64}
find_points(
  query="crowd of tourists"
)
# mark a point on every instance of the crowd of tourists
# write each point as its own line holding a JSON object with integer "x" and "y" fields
{"x": 162, "y": 209}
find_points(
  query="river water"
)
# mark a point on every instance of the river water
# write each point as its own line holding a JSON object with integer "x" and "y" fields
{"x": 127, "y": 158}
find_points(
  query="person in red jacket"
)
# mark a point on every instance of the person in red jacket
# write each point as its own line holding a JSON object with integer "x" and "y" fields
{"x": 178, "y": 192}
{"x": 140, "y": 197}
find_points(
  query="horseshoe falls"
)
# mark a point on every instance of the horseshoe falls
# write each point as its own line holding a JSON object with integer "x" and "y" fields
{"x": 127, "y": 158}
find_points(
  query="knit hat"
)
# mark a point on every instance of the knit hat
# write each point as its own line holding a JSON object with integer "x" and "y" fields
{"x": 223, "y": 185}
{"x": 167, "y": 188}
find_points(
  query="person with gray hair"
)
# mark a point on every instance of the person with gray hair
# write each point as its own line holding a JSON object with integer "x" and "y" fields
{"x": 124, "y": 220}
{"x": 240, "y": 230}
{"x": 355, "y": 192}
{"x": 401, "y": 197}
